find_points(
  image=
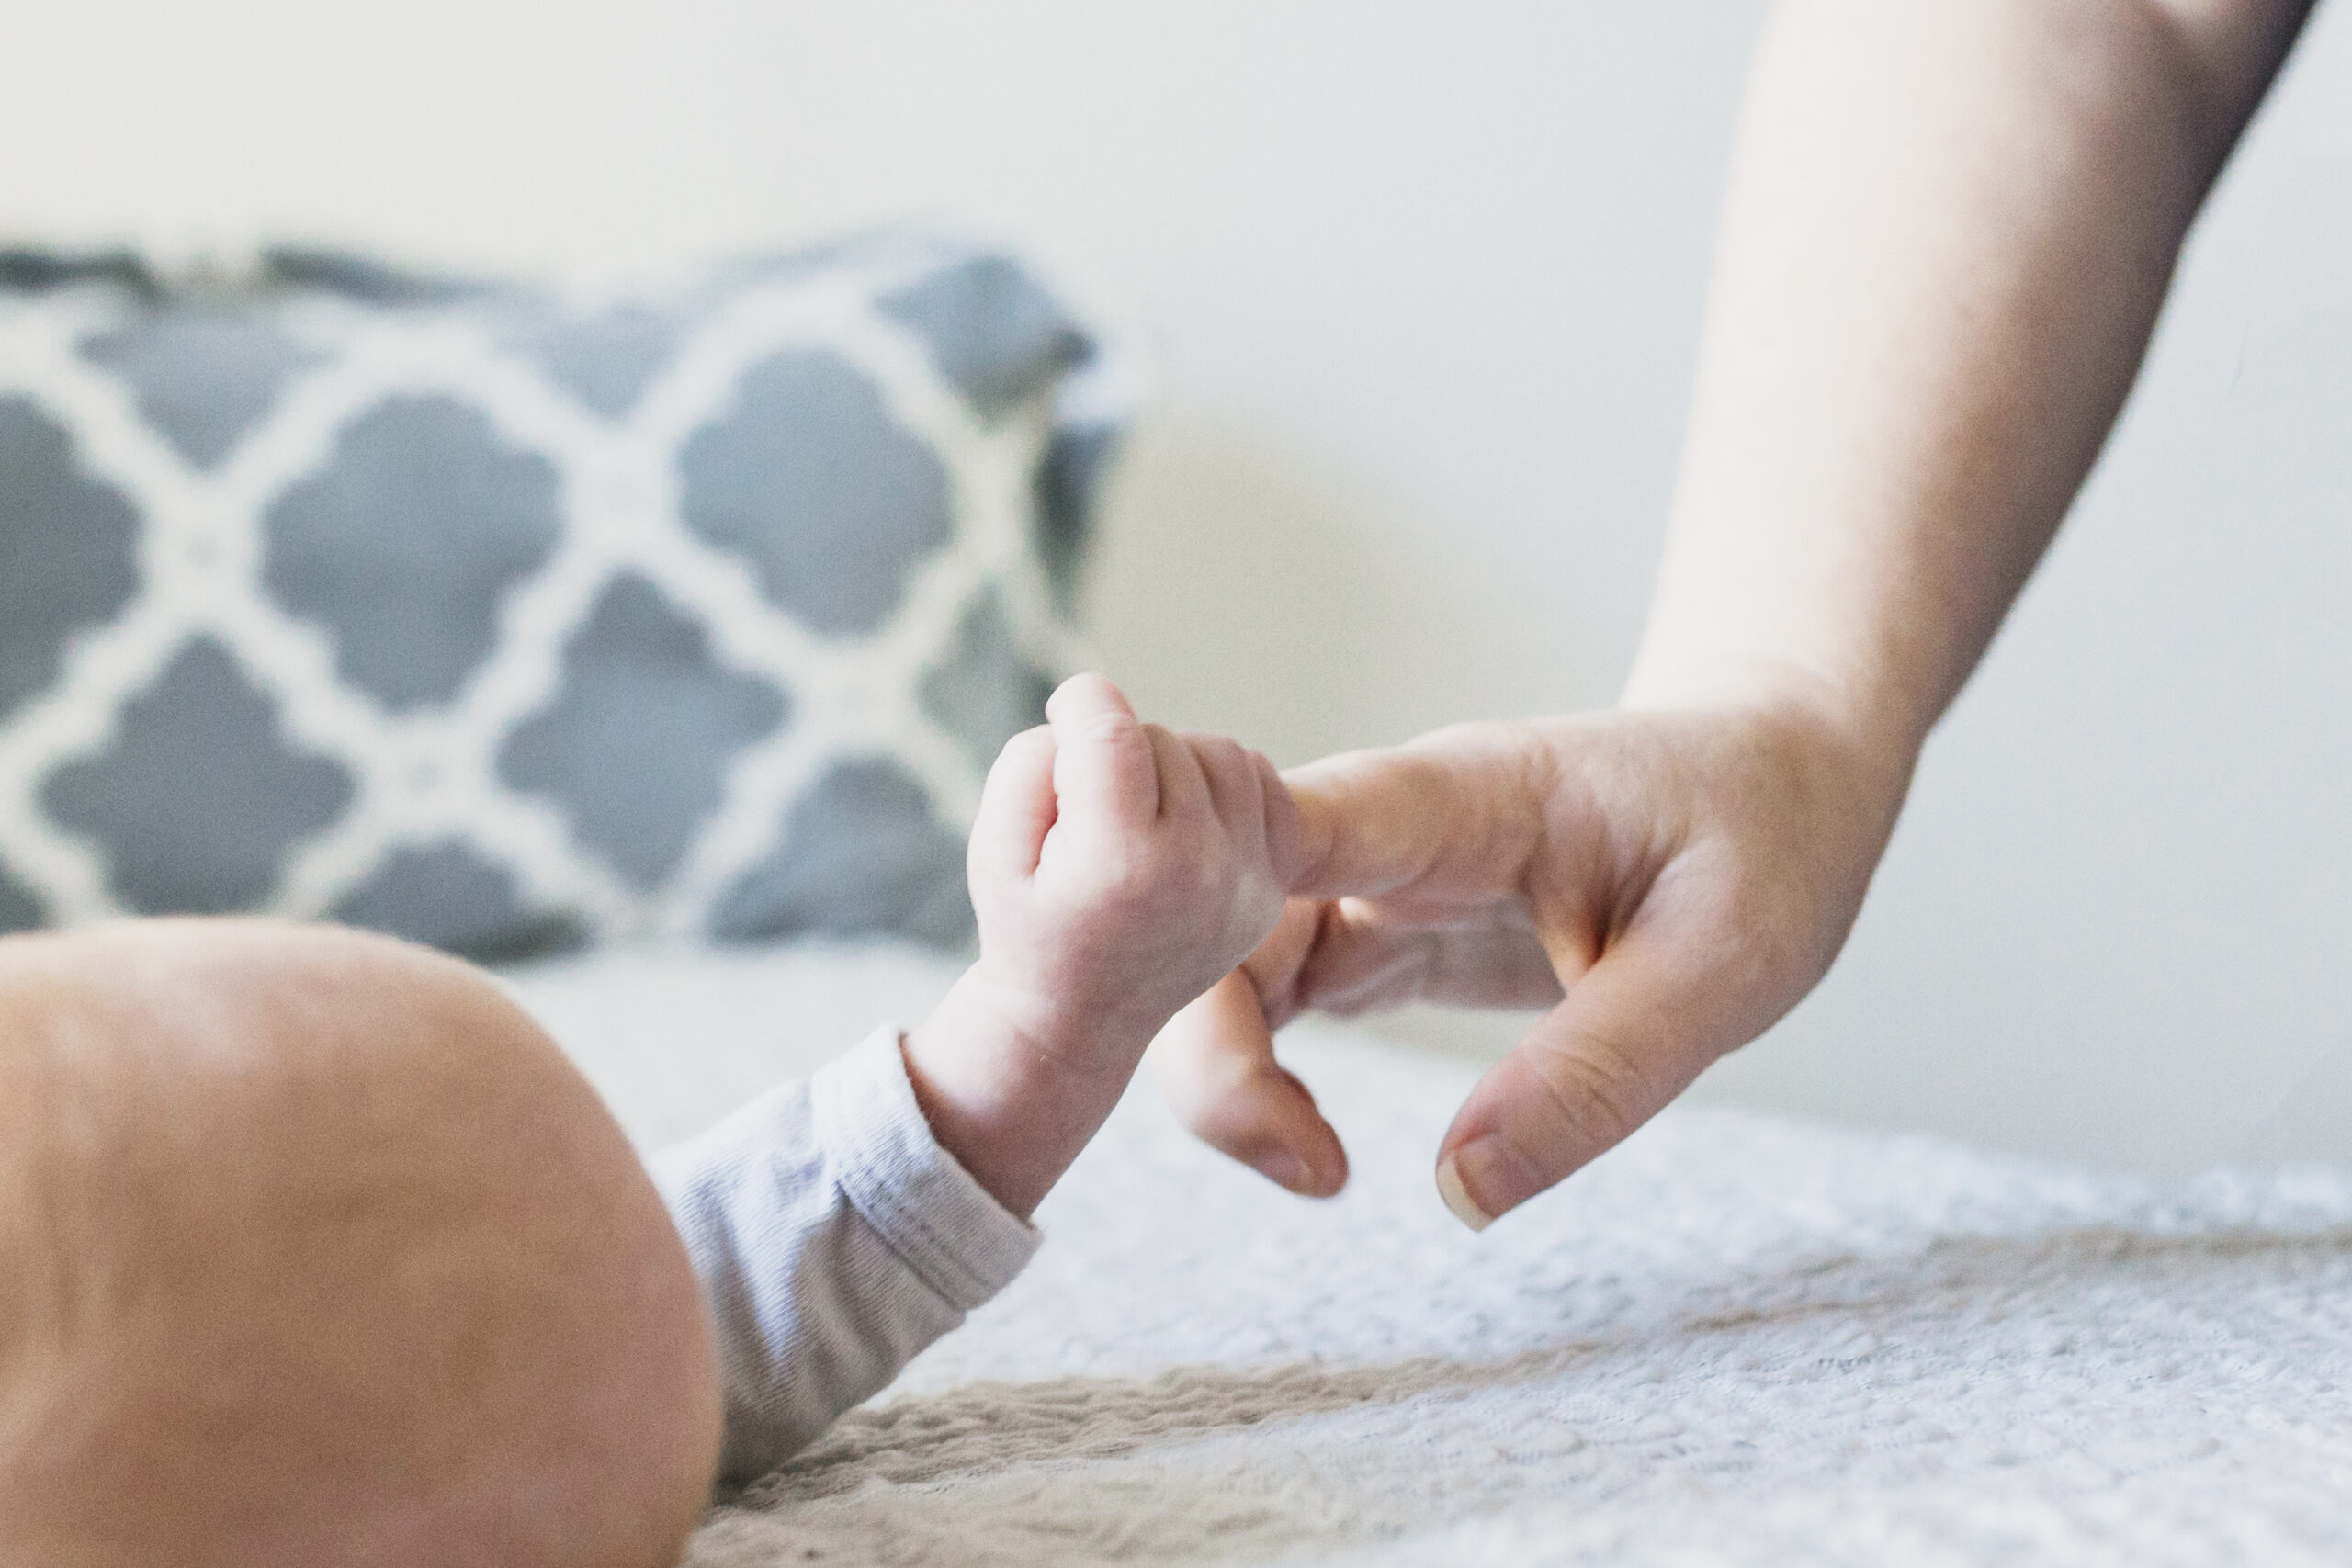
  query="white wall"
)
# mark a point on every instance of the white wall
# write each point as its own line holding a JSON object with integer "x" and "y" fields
{"x": 1424, "y": 281}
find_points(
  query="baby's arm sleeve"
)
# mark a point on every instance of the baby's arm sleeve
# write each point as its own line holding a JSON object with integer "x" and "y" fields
{"x": 834, "y": 1239}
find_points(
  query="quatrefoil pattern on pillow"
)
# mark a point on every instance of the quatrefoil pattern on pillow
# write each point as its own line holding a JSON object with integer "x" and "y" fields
{"x": 506, "y": 619}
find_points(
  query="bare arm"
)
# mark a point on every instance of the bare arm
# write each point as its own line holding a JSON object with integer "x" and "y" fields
{"x": 1951, "y": 225}
{"x": 1948, "y": 231}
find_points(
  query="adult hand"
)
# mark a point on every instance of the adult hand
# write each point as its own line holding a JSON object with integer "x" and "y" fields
{"x": 1948, "y": 232}
{"x": 1668, "y": 883}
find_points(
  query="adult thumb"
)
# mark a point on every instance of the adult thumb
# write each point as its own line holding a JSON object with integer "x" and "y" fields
{"x": 1597, "y": 1067}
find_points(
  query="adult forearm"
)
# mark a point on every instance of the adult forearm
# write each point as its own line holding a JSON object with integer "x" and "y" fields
{"x": 1948, "y": 231}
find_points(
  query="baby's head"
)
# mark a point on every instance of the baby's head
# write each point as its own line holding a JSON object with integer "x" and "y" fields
{"x": 314, "y": 1250}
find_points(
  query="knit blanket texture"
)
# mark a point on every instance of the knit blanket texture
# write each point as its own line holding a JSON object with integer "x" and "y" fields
{"x": 1735, "y": 1340}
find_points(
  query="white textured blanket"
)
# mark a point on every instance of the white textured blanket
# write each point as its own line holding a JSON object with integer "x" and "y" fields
{"x": 1735, "y": 1341}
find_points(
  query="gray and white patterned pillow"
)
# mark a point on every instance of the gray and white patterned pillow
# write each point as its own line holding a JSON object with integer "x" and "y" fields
{"x": 508, "y": 619}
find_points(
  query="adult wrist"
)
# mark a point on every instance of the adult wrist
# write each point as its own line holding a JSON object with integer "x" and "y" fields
{"x": 1873, "y": 726}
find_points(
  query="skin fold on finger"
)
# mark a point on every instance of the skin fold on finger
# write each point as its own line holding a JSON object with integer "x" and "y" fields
{"x": 1279, "y": 814}
{"x": 1234, "y": 793}
{"x": 1214, "y": 1064}
{"x": 1183, "y": 788}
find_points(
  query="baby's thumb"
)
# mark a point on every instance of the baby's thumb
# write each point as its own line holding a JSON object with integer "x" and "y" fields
{"x": 1214, "y": 1064}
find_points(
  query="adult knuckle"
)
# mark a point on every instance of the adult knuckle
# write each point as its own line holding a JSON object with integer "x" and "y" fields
{"x": 1600, "y": 1086}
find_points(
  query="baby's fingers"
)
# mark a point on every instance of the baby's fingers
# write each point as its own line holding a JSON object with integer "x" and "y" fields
{"x": 1215, "y": 1062}
{"x": 1016, "y": 806}
{"x": 1235, "y": 792}
{"x": 1253, "y": 803}
{"x": 1282, "y": 821}
{"x": 1183, "y": 788}
{"x": 1103, "y": 761}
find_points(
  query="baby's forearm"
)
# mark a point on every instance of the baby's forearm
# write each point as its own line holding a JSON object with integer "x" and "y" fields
{"x": 1008, "y": 1091}
{"x": 833, "y": 1241}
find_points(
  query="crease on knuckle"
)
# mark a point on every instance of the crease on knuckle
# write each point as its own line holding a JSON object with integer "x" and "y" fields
{"x": 1597, "y": 1086}
{"x": 1111, "y": 728}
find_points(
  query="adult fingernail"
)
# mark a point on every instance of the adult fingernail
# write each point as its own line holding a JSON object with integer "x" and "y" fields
{"x": 1486, "y": 1177}
{"x": 1285, "y": 1170}
{"x": 1450, "y": 1187}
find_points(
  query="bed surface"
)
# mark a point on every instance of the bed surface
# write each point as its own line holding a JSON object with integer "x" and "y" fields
{"x": 1735, "y": 1340}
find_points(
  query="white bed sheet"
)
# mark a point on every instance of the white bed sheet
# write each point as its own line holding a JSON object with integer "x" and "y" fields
{"x": 1736, "y": 1340}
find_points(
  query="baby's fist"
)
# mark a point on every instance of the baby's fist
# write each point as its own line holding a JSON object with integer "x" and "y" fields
{"x": 1119, "y": 870}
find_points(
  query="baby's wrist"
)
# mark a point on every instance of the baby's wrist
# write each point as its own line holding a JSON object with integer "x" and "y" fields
{"x": 1013, "y": 1085}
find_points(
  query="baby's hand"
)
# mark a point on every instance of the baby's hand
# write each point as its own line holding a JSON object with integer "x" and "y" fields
{"x": 1118, "y": 870}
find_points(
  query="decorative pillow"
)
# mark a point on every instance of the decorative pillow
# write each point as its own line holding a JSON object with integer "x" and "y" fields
{"x": 508, "y": 619}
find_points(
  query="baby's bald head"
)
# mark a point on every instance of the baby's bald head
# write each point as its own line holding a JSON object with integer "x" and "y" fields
{"x": 314, "y": 1250}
